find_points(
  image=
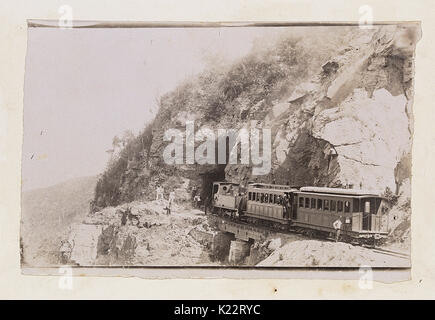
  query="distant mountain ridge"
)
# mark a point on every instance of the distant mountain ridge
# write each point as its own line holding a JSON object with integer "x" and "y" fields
{"x": 47, "y": 213}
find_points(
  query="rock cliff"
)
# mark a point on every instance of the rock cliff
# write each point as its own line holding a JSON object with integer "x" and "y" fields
{"x": 338, "y": 103}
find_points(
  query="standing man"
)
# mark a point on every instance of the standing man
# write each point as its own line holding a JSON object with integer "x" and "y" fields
{"x": 159, "y": 192}
{"x": 171, "y": 196}
{"x": 65, "y": 251}
{"x": 193, "y": 194}
{"x": 171, "y": 201}
{"x": 337, "y": 226}
{"x": 197, "y": 201}
{"x": 286, "y": 204}
{"x": 242, "y": 204}
{"x": 168, "y": 208}
{"x": 207, "y": 204}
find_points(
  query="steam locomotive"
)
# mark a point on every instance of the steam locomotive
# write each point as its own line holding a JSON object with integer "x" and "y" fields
{"x": 307, "y": 210}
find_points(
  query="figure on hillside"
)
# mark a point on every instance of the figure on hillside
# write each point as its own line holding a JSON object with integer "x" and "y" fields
{"x": 207, "y": 203}
{"x": 170, "y": 202}
{"x": 65, "y": 251}
{"x": 193, "y": 194}
{"x": 197, "y": 201}
{"x": 159, "y": 193}
{"x": 124, "y": 218}
{"x": 171, "y": 196}
{"x": 168, "y": 207}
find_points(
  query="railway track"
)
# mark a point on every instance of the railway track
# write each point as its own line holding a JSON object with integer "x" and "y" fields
{"x": 267, "y": 231}
{"x": 391, "y": 253}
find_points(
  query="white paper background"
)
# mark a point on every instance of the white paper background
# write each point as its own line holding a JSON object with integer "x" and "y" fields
{"x": 13, "y": 32}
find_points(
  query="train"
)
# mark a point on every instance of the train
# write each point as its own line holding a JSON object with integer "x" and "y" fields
{"x": 308, "y": 210}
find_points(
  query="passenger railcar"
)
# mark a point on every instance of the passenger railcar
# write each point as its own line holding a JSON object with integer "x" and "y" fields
{"x": 361, "y": 212}
{"x": 270, "y": 204}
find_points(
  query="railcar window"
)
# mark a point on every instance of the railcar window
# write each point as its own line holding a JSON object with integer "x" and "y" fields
{"x": 270, "y": 198}
{"x": 355, "y": 205}
{"x": 307, "y": 202}
{"x": 301, "y": 202}
{"x": 340, "y": 206}
{"x": 262, "y": 198}
{"x": 377, "y": 204}
{"x": 313, "y": 203}
{"x": 346, "y": 206}
{"x": 319, "y": 204}
{"x": 249, "y": 196}
{"x": 367, "y": 206}
{"x": 326, "y": 205}
{"x": 333, "y": 205}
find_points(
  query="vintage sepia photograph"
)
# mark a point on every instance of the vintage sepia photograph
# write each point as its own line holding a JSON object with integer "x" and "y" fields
{"x": 222, "y": 146}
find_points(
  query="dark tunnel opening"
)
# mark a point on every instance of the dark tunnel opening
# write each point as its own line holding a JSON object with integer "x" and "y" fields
{"x": 208, "y": 177}
{"x": 217, "y": 173}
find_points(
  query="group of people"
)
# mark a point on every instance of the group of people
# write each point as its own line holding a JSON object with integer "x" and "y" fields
{"x": 160, "y": 197}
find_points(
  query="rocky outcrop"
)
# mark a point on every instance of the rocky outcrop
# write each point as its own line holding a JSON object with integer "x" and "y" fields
{"x": 314, "y": 253}
{"x": 141, "y": 233}
{"x": 351, "y": 124}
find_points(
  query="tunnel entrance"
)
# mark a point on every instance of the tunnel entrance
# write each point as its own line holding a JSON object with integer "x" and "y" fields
{"x": 208, "y": 177}
{"x": 216, "y": 172}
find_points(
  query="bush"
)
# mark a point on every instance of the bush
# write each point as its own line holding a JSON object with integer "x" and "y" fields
{"x": 390, "y": 197}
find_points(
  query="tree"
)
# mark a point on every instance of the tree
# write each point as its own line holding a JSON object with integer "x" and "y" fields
{"x": 116, "y": 142}
{"x": 127, "y": 136}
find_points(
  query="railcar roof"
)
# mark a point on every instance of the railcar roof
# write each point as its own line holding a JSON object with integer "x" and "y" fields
{"x": 341, "y": 191}
{"x": 270, "y": 186}
{"x": 271, "y": 189}
{"x": 225, "y": 182}
{"x": 336, "y": 195}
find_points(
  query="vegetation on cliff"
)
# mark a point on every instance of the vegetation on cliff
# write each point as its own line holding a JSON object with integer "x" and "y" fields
{"x": 221, "y": 93}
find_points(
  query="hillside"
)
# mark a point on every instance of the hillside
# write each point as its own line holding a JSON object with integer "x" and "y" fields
{"x": 338, "y": 101}
{"x": 47, "y": 214}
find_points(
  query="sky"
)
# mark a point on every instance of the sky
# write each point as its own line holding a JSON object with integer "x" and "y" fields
{"x": 84, "y": 86}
